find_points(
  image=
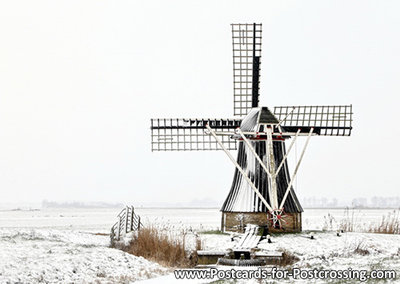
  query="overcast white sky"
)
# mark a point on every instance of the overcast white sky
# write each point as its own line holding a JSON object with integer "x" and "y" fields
{"x": 80, "y": 80}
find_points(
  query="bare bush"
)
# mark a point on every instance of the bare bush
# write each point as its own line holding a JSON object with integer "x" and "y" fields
{"x": 329, "y": 222}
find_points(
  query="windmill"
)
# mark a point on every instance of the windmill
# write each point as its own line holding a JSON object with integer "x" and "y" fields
{"x": 262, "y": 189}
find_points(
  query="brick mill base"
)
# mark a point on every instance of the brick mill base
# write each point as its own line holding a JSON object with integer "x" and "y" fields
{"x": 235, "y": 221}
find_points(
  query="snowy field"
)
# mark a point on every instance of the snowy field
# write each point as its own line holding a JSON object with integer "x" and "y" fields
{"x": 71, "y": 245}
{"x": 101, "y": 220}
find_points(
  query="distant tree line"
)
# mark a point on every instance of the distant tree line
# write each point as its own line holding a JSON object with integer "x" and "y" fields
{"x": 358, "y": 202}
{"x": 77, "y": 204}
{"x": 377, "y": 202}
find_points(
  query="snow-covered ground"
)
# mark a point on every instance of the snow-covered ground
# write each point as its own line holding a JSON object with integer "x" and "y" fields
{"x": 327, "y": 250}
{"x": 69, "y": 245}
{"x": 67, "y": 256}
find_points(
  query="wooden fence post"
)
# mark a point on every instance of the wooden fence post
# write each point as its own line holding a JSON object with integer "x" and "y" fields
{"x": 132, "y": 215}
{"x": 126, "y": 218}
{"x": 119, "y": 224}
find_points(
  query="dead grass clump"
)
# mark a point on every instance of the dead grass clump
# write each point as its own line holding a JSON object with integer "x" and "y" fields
{"x": 361, "y": 249}
{"x": 390, "y": 224}
{"x": 288, "y": 258}
{"x": 100, "y": 234}
{"x": 157, "y": 245}
{"x": 198, "y": 243}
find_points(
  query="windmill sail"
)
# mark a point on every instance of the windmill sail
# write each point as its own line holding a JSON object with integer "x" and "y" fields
{"x": 189, "y": 134}
{"x": 326, "y": 120}
{"x": 246, "y": 43}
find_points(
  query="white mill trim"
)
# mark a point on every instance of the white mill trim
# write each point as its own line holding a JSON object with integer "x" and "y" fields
{"x": 297, "y": 167}
{"x": 212, "y": 132}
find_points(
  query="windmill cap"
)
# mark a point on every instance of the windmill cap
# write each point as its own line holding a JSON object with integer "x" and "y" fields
{"x": 257, "y": 116}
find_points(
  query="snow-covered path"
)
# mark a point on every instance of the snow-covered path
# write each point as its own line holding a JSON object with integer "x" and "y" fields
{"x": 67, "y": 256}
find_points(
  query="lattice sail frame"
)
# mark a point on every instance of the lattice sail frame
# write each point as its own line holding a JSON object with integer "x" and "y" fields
{"x": 189, "y": 134}
{"x": 246, "y": 44}
{"x": 326, "y": 120}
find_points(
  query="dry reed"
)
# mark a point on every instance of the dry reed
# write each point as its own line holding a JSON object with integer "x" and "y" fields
{"x": 348, "y": 222}
{"x": 160, "y": 246}
{"x": 390, "y": 224}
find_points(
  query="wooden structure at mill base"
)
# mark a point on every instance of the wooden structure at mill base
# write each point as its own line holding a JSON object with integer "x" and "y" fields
{"x": 262, "y": 190}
